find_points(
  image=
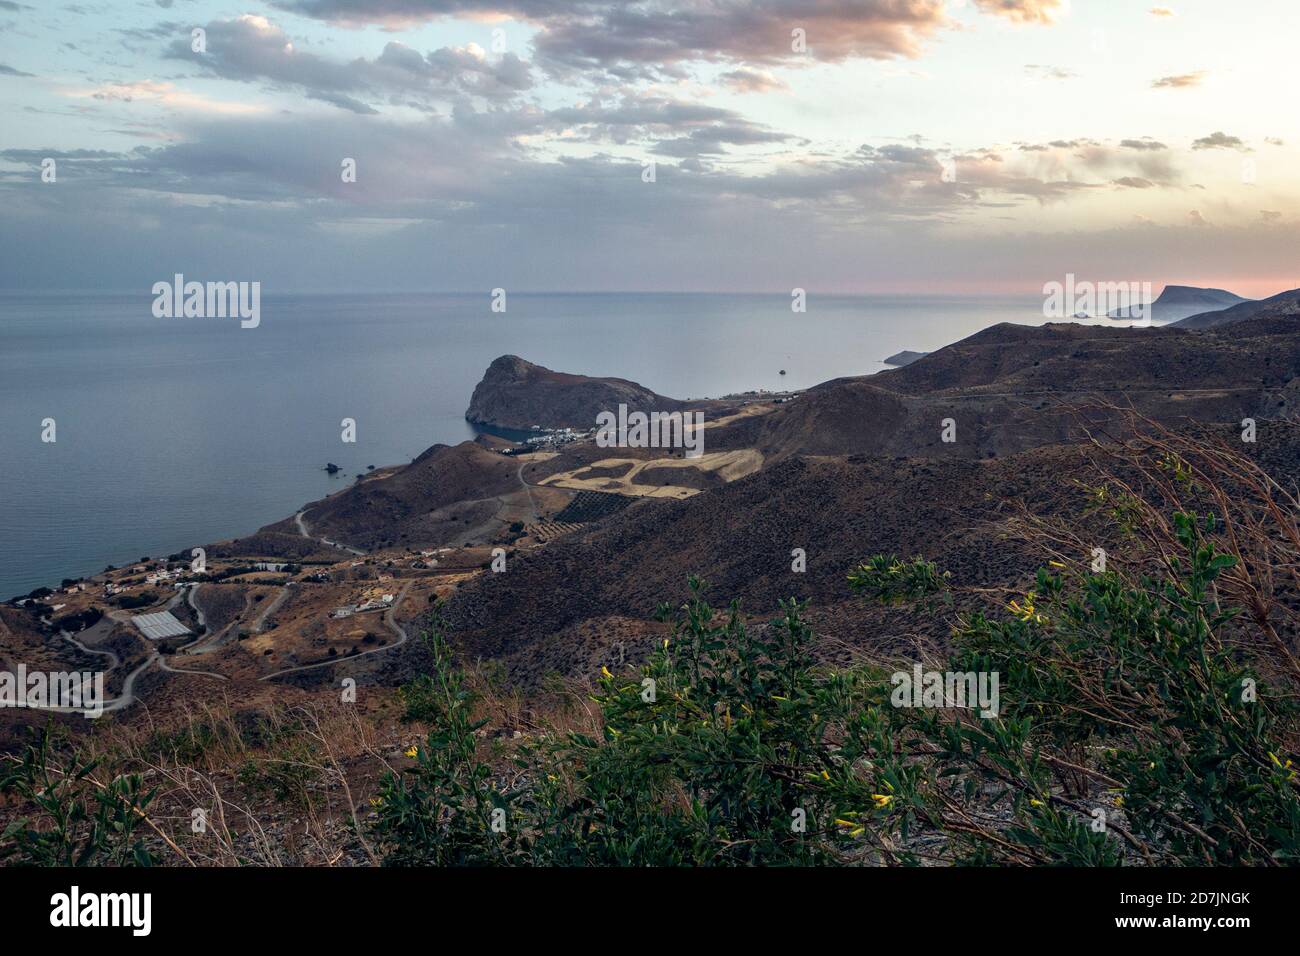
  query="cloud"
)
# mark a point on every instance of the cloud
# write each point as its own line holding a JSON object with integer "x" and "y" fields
{"x": 343, "y": 102}
{"x": 1057, "y": 144}
{"x": 34, "y": 156}
{"x": 245, "y": 196}
{"x": 1135, "y": 163}
{"x": 656, "y": 37}
{"x": 1270, "y": 215}
{"x": 1180, "y": 82}
{"x": 753, "y": 81}
{"x": 164, "y": 94}
{"x": 158, "y": 31}
{"x": 1220, "y": 140}
{"x": 642, "y": 40}
{"x": 644, "y": 111}
{"x": 713, "y": 139}
{"x": 140, "y": 132}
{"x": 1146, "y": 143}
{"x": 1022, "y": 11}
{"x": 1049, "y": 72}
{"x": 472, "y": 171}
{"x": 664, "y": 126}
{"x": 1196, "y": 218}
{"x": 10, "y": 71}
{"x": 252, "y": 48}
{"x": 1163, "y": 12}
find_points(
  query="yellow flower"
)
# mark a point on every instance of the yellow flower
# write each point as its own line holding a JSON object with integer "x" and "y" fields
{"x": 1035, "y": 803}
{"x": 412, "y": 752}
{"x": 1026, "y": 612}
{"x": 1056, "y": 564}
{"x": 825, "y": 775}
{"x": 605, "y": 670}
{"x": 882, "y": 799}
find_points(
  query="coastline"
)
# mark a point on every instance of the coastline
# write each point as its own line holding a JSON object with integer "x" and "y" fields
{"x": 282, "y": 480}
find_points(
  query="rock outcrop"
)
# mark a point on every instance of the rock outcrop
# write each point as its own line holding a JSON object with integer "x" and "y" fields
{"x": 516, "y": 394}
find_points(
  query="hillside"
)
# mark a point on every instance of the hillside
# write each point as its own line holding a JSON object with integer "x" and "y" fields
{"x": 516, "y": 394}
{"x": 1012, "y": 387}
{"x": 1284, "y": 303}
{"x": 1008, "y": 389}
{"x": 443, "y": 491}
{"x": 739, "y": 537}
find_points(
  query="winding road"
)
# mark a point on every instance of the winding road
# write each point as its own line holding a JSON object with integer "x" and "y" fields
{"x": 532, "y": 504}
{"x": 306, "y": 533}
{"x": 271, "y": 607}
{"x": 389, "y": 619}
{"x": 127, "y": 697}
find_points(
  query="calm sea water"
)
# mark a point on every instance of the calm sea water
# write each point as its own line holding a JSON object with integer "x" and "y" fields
{"x": 176, "y": 432}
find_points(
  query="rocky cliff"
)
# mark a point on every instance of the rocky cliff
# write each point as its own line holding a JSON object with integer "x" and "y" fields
{"x": 517, "y": 394}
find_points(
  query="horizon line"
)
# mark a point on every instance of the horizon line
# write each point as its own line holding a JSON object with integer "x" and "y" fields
{"x": 808, "y": 290}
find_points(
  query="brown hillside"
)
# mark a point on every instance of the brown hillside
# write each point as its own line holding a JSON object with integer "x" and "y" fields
{"x": 547, "y": 611}
{"x": 425, "y": 501}
{"x": 1012, "y": 387}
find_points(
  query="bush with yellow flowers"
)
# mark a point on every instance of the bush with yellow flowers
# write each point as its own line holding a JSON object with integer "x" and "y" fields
{"x": 1124, "y": 736}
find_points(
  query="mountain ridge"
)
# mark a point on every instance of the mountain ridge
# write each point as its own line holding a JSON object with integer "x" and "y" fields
{"x": 1284, "y": 303}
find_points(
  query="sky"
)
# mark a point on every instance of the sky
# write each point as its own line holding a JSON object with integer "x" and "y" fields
{"x": 839, "y": 146}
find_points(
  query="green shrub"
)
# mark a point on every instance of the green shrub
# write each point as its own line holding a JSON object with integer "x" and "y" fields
{"x": 73, "y": 820}
{"x": 886, "y": 578}
{"x": 441, "y": 811}
{"x": 287, "y": 774}
{"x": 1126, "y": 734}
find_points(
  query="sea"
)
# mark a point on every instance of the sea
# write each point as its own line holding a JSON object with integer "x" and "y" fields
{"x": 173, "y": 432}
